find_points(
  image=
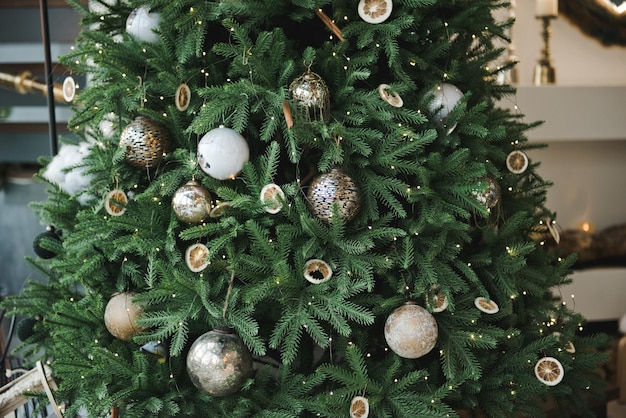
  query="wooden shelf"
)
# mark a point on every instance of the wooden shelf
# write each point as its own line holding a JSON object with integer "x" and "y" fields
{"x": 572, "y": 113}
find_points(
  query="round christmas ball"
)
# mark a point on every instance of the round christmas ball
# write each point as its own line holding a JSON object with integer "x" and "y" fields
{"x": 141, "y": 23}
{"x": 445, "y": 97}
{"x": 120, "y": 315}
{"x": 219, "y": 362}
{"x": 311, "y": 96}
{"x": 411, "y": 331}
{"x": 25, "y": 328}
{"x": 145, "y": 142}
{"x": 192, "y": 203}
{"x": 330, "y": 188}
{"x": 222, "y": 152}
{"x": 40, "y": 249}
{"x": 488, "y": 192}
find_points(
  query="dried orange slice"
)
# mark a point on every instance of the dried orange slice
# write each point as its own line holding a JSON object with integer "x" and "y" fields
{"x": 197, "y": 257}
{"x": 272, "y": 197}
{"x": 183, "y": 97}
{"x": 439, "y": 302}
{"x": 359, "y": 407}
{"x": 393, "y": 99}
{"x": 317, "y": 271}
{"x": 375, "y": 11}
{"x": 486, "y": 305}
{"x": 517, "y": 162}
{"x": 115, "y": 202}
{"x": 549, "y": 371}
{"x": 218, "y": 210}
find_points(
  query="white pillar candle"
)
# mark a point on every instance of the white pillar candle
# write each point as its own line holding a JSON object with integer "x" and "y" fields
{"x": 546, "y": 7}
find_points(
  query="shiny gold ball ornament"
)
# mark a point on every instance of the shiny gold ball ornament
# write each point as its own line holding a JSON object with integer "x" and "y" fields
{"x": 191, "y": 203}
{"x": 445, "y": 97}
{"x": 219, "y": 362}
{"x": 411, "y": 331}
{"x": 120, "y": 315}
{"x": 222, "y": 152}
{"x": 145, "y": 142}
{"x": 311, "y": 96}
{"x": 334, "y": 188}
{"x": 487, "y": 192}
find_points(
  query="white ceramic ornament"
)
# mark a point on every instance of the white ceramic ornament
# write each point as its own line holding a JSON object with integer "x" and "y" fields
{"x": 445, "y": 98}
{"x": 141, "y": 24}
{"x": 411, "y": 331}
{"x": 375, "y": 11}
{"x": 222, "y": 153}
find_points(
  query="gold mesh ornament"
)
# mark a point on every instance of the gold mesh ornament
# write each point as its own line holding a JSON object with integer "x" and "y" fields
{"x": 311, "y": 97}
{"x": 145, "y": 142}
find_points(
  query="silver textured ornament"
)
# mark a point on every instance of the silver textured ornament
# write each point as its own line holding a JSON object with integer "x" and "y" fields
{"x": 445, "y": 97}
{"x": 219, "y": 362}
{"x": 411, "y": 331}
{"x": 145, "y": 142}
{"x": 334, "y": 187}
{"x": 191, "y": 203}
{"x": 311, "y": 96}
{"x": 488, "y": 192}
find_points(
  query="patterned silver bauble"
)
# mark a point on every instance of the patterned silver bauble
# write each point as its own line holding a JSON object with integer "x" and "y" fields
{"x": 145, "y": 142}
{"x": 219, "y": 362}
{"x": 334, "y": 187}
{"x": 411, "y": 331}
{"x": 487, "y": 192}
{"x": 192, "y": 203}
{"x": 310, "y": 95}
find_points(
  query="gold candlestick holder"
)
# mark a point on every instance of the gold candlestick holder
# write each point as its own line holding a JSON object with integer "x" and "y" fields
{"x": 544, "y": 71}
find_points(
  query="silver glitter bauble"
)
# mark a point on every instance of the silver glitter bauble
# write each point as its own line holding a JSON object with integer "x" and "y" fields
{"x": 310, "y": 94}
{"x": 334, "y": 187}
{"x": 488, "y": 192}
{"x": 145, "y": 142}
{"x": 411, "y": 331}
{"x": 191, "y": 203}
{"x": 219, "y": 362}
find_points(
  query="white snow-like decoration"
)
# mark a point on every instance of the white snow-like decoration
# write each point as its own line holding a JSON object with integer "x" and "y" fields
{"x": 64, "y": 169}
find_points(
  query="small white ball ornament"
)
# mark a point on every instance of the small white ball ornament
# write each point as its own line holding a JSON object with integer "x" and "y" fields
{"x": 411, "y": 331}
{"x": 445, "y": 97}
{"x": 222, "y": 152}
{"x": 141, "y": 23}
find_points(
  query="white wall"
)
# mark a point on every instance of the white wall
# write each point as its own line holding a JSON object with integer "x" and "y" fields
{"x": 578, "y": 59}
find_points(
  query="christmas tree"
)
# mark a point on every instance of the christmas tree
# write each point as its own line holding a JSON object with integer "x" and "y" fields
{"x": 301, "y": 208}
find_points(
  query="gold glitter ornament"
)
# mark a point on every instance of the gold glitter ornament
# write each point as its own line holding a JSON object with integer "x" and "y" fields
{"x": 120, "y": 315}
{"x": 219, "y": 362}
{"x": 411, "y": 331}
{"x": 330, "y": 188}
{"x": 145, "y": 142}
{"x": 311, "y": 96}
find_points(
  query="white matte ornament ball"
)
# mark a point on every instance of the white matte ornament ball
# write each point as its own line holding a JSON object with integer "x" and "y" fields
{"x": 141, "y": 23}
{"x": 411, "y": 331}
{"x": 218, "y": 362}
{"x": 445, "y": 97}
{"x": 222, "y": 152}
{"x": 120, "y": 315}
